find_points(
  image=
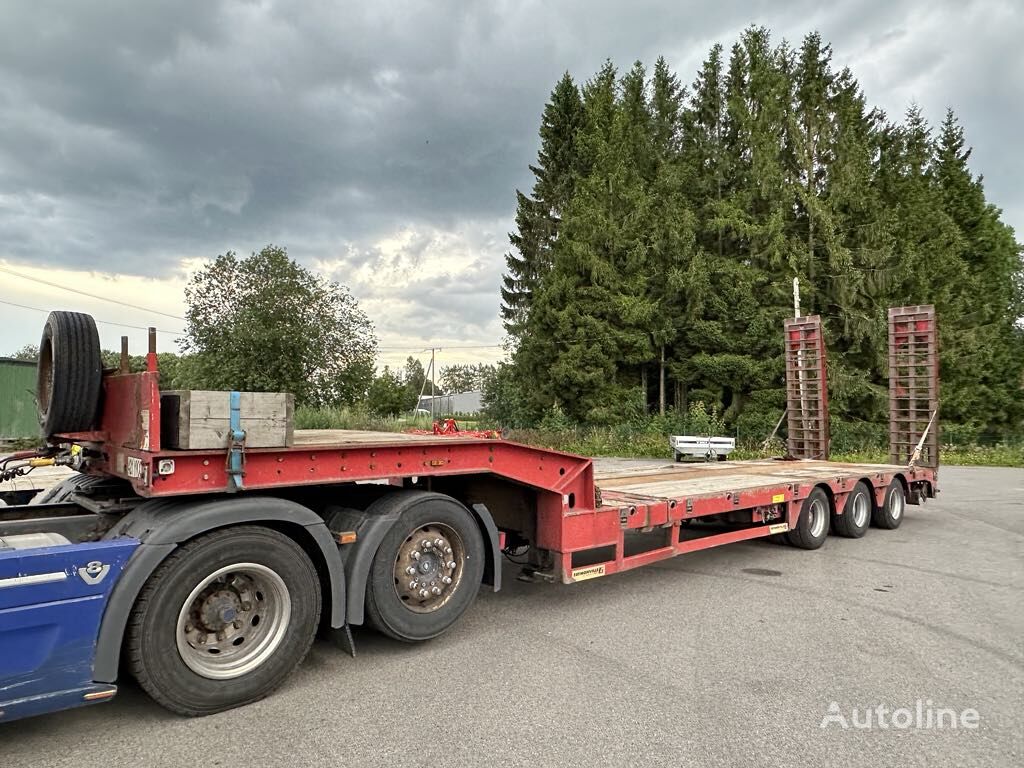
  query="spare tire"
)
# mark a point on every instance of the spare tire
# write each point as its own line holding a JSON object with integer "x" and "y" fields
{"x": 69, "y": 375}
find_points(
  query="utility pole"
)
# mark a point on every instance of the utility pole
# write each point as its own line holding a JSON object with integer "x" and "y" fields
{"x": 432, "y": 377}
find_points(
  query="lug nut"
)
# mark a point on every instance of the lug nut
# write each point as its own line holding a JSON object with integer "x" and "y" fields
{"x": 415, "y": 554}
{"x": 424, "y": 593}
{"x": 426, "y": 544}
{"x": 447, "y": 550}
{"x": 436, "y": 590}
{"x": 451, "y": 564}
{"x": 447, "y": 579}
{"x": 237, "y": 624}
{"x": 246, "y": 606}
{"x": 413, "y": 584}
{"x": 411, "y": 570}
{"x": 438, "y": 542}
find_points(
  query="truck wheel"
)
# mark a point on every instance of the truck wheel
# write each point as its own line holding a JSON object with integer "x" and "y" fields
{"x": 223, "y": 620}
{"x": 856, "y": 517}
{"x": 64, "y": 490}
{"x": 427, "y": 569}
{"x": 890, "y": 514}
{"x": 812, "y": 526}
{"x": 69, "y": 373}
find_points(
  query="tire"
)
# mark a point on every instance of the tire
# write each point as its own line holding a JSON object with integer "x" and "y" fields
{"x": 69, "y": 374}
{"x": 393, "y": 606}
{"x": 201, "y": 587}
{"x": 857, "y": 513}
{"x": 812, "y": 526}
{"x": 64, "y": 490}
{"x": 890, "y": 514}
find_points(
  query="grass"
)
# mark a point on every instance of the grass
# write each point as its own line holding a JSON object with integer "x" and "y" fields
{"x": 353, "y": 418}
{"x": 625, "y": 441}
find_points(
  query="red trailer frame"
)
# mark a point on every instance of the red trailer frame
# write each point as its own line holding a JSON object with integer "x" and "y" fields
{"x": 584, "y": 522}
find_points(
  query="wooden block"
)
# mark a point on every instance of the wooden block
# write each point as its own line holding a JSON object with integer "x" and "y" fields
{"x": 200, "y": 420}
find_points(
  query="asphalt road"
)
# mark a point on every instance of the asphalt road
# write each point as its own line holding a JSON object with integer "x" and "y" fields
{"x": 707, "y": 659}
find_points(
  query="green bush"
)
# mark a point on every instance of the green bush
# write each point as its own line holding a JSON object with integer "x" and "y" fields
{"x": 646, "y": 436}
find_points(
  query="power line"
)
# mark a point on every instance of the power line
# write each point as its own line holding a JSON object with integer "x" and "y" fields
{"x": 90, "y": 295}
{"x": 421, "y": 349}
{"x": 104, "y": 322}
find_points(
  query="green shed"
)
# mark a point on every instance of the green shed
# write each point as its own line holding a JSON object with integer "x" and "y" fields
{"x": 18, "y": 399}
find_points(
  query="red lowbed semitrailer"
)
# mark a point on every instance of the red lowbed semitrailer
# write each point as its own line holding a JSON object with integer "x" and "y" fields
{"x": 234, "y": 557}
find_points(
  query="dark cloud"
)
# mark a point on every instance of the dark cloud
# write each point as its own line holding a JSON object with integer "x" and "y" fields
{"x": 135, "y": 137}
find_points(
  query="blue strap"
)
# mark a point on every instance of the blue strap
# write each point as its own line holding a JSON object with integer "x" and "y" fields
{"x": 236, "y": 442}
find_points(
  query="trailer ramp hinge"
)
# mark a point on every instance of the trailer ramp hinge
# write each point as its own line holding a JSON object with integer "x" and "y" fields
{"x": 235, "y": 467}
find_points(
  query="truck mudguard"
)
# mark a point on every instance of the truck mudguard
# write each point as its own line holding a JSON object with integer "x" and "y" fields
{"x": 162, "y": 525}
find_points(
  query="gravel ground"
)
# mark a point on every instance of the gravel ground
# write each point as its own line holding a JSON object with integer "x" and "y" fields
{"x": 726, "y": 657}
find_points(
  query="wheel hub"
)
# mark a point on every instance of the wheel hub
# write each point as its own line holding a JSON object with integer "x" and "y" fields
{"x": 428, "y": 567}
{"x": 860, "y": 510}
{"x": 233, "y": 621}
{"x": 219, "y": 609}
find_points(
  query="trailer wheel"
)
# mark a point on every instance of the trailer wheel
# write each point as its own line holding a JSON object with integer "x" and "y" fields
{"x": 224, "y": 620}
{"x": 428, "y": 568}
{"x": 69, "y": 373}
{"x": 812, "y": 525}
{"x": 890, "y": 514}
{"x": 856, "y": 517}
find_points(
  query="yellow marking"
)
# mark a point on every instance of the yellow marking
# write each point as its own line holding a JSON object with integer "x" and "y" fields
{"x": 778, "y": 498}
{"x": 778, "y": 528}
{"x": 590, "y": 572}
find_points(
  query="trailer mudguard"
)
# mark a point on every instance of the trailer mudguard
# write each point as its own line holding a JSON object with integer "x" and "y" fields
{"x": 371, "y": 529}
{"x": 162, "y": 525}
{"x": 52, "y": 600}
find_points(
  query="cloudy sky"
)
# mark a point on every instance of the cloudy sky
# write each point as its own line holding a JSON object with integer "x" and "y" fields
{"x": 380, "y": 142}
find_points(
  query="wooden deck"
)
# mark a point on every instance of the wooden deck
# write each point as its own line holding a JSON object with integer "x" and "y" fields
{"x": 674, "y": 481}
{"x": 339, "y": 438}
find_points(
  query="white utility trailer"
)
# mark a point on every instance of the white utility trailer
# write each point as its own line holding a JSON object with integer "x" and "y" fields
{"x": 706, "y": 448}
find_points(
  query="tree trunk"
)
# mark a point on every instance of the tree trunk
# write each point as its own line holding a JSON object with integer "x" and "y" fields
{"x": 643, "y": 384}
{"x": 661, "y": 383}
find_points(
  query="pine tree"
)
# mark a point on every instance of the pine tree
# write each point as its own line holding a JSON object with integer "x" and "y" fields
{"x": 589, "y": 314}
{"x": 855, "y": 282}
{"x": 989, "y": 337}
{"x": 675, "y": 223}
{"x": 538, "y": 217}
{"x": 747, "y": 296}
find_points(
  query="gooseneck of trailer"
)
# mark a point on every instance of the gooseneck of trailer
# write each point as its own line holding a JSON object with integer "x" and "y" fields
{"x": 202, "y": 543}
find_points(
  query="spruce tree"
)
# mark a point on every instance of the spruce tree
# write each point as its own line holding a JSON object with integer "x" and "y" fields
{"x": 988, "y": 337}
{"x": 538, "y": 216}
